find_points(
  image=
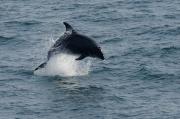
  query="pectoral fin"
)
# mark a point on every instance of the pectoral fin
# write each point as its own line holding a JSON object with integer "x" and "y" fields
{"x": 81, "y": 57}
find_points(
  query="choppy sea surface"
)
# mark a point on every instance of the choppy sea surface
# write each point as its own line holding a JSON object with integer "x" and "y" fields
{"x": 139, "y": 78}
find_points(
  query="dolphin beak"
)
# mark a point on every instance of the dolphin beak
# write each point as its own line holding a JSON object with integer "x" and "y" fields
{"x": 100, "y": 55}
{"x": 102, "y": 58}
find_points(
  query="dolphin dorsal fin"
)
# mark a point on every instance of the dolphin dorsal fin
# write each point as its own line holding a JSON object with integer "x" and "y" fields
{"x": 68, "y": 27}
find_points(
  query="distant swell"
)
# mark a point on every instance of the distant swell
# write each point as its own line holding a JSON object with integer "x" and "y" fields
{"x": 5, "y": 40}
{"x": 31, "y": 22}
{"x": 171, "y": 48}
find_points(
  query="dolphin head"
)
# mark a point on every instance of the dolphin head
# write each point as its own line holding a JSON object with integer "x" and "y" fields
{"x": 98, "y": 53}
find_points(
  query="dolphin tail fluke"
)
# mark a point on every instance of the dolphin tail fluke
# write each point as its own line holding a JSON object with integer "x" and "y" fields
{"x": 41, "y": 66}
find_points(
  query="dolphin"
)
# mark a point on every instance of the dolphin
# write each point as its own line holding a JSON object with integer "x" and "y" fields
{"x": 72, "y": 42}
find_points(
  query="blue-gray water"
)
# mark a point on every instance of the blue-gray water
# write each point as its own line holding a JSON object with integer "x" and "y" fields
{"x": 140, "y": 78}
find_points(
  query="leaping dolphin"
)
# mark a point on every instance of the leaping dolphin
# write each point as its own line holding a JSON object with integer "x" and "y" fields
{"x": 72, "y": 42}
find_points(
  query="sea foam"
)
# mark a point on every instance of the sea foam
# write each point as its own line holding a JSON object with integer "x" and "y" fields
{"x": 64, "y": 65}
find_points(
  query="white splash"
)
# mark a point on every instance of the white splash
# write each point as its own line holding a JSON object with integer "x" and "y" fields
{"x": 64, "y": 65}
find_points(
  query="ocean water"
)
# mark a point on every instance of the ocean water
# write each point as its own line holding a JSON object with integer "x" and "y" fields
{"x": 139, "y": 78}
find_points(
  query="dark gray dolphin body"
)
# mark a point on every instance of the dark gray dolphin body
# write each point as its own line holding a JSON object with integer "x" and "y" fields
{"x": 72, "y": 42}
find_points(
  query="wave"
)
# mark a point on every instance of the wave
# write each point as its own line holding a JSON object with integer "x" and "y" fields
{"x": 5, "y": 40}
{"x": 169, "y": 50}
{"x": 114, "y": 40}
{"x": 26, "y": 23}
